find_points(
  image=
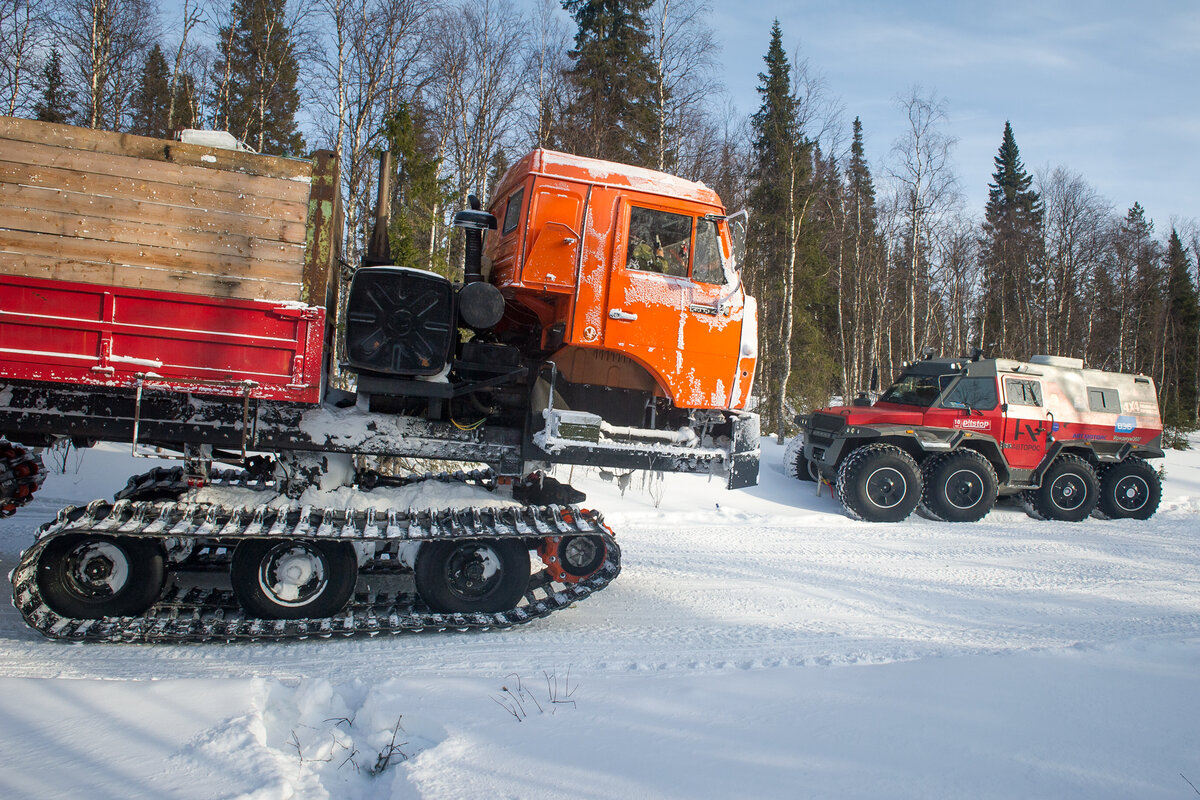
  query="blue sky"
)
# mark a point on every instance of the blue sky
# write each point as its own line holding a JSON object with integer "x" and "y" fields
{"x": 1109, "y": 90}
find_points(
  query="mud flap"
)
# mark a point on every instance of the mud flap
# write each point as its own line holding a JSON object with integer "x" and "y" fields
{"x": 744, "y": 452}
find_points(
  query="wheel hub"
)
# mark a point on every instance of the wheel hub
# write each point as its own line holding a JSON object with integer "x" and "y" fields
{"x": 97, "y": 569}
{"x": 1068, "y": 492}
{"x": 473, "y": 571}
{"x": 964, "y": 489}
{"x": 1131, "y": 493}
{"x": 579, "y": 552}
{"x": 886, "y": 487}
{"x": 293, "y": 574}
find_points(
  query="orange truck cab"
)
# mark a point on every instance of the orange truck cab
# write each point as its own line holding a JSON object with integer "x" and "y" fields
{"x": 630, "y": 279}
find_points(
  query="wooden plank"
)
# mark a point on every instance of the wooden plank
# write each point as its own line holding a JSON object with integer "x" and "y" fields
{"x": 94, "y": 141}
{"x": 140, "y": 169}
{"x": 37, "y": 198}
{"x": 232, "y": 244}
{"x": 51, "y": 268}
{"x": 160, "y": 258}
{"x": 151, "y": 191}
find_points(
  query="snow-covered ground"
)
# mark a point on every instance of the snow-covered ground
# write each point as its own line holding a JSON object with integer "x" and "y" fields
{"x": 757, "y": 643}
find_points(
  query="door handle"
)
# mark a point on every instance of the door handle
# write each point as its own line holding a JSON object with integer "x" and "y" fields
{"x": 623, "y": 316}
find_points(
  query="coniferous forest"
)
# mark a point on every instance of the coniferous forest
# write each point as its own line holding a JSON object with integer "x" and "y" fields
{"x": 859, "y": 260}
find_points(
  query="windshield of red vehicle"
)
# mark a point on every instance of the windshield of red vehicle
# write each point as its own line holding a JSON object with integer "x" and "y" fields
{"x": 916, "y": 390}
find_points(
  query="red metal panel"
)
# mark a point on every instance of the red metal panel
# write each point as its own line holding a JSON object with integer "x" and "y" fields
{"x": 113, "y": 336}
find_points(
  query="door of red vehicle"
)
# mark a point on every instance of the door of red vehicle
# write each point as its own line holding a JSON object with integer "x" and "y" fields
{"x": 1028, "y": 429}
{"x": 972, "y": 405}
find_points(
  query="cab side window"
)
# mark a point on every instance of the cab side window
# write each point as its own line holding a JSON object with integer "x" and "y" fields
{"x": 1023, "y": 392}
{"x": 659, "y": 241}
{"x": 977, "y": 393}
{"x": 512, "y": 212}
{"x": 706, "y": 266}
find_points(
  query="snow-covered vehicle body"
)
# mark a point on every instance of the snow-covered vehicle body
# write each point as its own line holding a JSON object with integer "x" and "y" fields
{"x": 182, "y": 297}
{"x": 950, "y": 435}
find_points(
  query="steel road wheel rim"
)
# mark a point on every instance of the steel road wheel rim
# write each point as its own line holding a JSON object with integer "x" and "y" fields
{"x": 97, "y": 570}
{"x": 882, "y": 486}
{"x": 292, "y": 574}
{"x": 964, "y": 484}
{"x": 1131, "y": 493}
{"x": 473, "y": 571}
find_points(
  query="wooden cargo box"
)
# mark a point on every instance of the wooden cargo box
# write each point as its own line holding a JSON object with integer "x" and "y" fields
{"x": 126, "y": 258}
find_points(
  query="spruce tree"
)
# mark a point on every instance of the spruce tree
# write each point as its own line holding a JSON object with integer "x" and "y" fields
{"x": 1182, "y": 332}
{"x": 860, "y": 186}
{"x": 784, "y": 249}
{"x": 419, "y": 193}
{"x": 611, "y": 115}
{"x": 186, "y": 103}
{"x": 861, "y": 252}
{"x": 1140, "y": 281}
{"x": 152, "y": 100}
{"x": 1011, "y": 256}
{"x": 56, "y": 102}
{"x": 257, "y": 97}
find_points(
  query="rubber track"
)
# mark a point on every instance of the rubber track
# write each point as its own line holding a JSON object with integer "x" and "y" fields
{"x": 21, "y": 473}
{"x": 202, "y": 615}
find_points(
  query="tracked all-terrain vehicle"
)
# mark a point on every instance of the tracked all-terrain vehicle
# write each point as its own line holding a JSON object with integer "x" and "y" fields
{"x": 181, "y": 298}
{"x": 953, "y": 434}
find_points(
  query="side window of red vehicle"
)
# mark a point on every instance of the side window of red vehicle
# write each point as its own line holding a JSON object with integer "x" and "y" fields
{"x": 976, "y": 393}
{"x": 1021, "y": 392}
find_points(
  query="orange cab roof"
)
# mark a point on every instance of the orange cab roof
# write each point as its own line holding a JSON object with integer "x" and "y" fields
{"x": 607, "y": 173}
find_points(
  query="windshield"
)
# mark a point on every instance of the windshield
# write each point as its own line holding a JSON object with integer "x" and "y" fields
{"x": 916, "y": 390}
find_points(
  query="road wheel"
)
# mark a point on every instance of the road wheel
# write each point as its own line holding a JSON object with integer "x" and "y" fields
{"x": 88, "y": 576}
{"x": 959, "y": 486}
{"x": 293, "y": 578}
{"x": 879, "y": 483}
{"x": 478, "y": 575}
{"x": 1129, "y": 490}
{"x": 1069, "y": 490}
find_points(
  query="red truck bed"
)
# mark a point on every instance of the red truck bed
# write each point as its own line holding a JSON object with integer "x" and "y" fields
{"x": 111, "y": 336}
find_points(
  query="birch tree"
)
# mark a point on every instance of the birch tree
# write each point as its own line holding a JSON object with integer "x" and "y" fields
{"x": 22, "y": 34}
{"x": 927, "y": 184}
{"x": 684, "y": 50}
{"x": 104, "y": 44}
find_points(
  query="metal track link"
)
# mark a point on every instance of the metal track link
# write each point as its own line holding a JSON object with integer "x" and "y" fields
{"x": 201, "y": 614}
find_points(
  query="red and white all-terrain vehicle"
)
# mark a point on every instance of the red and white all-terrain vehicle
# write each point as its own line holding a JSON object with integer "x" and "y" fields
{"x": 950, "y": 435}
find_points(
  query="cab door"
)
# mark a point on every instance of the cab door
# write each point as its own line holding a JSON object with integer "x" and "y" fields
{"x": 1028, "y": 430}
{"x": 670, "y": 304}
{"x": 972, "y": 405}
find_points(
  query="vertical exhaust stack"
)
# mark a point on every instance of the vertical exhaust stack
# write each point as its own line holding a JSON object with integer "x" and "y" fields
{"x": 378, "y": 251}
{"x": 480, "y": 304}
{"x": 474, "y": 222}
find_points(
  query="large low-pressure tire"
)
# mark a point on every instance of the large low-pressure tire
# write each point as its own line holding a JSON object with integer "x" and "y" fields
{"x": 88, "y": 576}
{"x": 472, "y": 576}
{"x": 959, "y": 486}
{"x": 1069, "y": 490}
{"x": 795, "y": 465}
{"x": 1129, "y": 490}
{"x": 293, "y": 578}
{"x": 879, "y": 483}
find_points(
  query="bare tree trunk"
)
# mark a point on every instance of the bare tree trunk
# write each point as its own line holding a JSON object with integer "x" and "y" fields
{"x": 191, "y": 16}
